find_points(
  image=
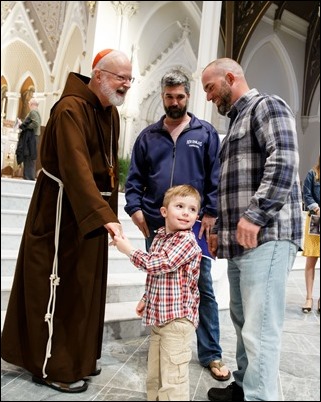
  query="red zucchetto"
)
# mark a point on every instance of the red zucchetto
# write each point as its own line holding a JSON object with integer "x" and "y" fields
{"x": 100, "y": 55}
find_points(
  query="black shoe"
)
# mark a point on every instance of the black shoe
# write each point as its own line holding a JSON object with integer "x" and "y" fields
{"x": 232, "y": 392}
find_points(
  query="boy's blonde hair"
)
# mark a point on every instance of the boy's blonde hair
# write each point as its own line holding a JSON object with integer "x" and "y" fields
{"x": 183, "y": 190}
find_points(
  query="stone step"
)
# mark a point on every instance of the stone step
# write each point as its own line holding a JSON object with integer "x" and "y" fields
{"x": 25, "y": 187}
{"x": 121, "y": 321}
{"x": 17, "y": 186}
{"x": 120, "y": 288}
{"x": 129, "y": 286}
{"x": 13, "y": 218}
{"x": 15, "y": 201}
{"x": 118, "y": 262}
{"x": 16, "y": 218}
{"x": 11, "y": 238}
{"x": 125, "y": 283}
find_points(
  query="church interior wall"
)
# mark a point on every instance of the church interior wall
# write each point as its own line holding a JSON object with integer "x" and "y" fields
{"x": 274, "y": 63}
{"x": 157, "y": 36}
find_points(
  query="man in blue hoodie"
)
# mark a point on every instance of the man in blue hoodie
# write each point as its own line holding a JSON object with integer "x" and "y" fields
{"x": 180, "y": 149}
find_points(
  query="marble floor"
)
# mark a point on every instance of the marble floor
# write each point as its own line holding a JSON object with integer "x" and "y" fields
{"x": 124, "y": 362}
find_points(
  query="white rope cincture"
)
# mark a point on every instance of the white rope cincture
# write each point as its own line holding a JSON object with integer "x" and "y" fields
{"x": 54, "y": 278}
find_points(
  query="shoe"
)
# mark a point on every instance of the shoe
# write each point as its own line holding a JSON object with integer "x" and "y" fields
{"x": 72, "y": 387}
{"x": 308, "y": 306}
{"x": 96, "y": 372}
{"x": 218, "y": 365}
{"x": 232, "y": 392}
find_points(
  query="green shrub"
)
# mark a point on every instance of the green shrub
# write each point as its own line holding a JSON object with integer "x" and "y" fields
{"x": 123, "y": 172}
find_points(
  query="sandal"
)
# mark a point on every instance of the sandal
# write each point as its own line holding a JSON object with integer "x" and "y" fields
{"x": 72, "y": 387}
{"x": 218, "y": 365}
{"x": 97, "y": 371}
{"x": 308, "y": 306}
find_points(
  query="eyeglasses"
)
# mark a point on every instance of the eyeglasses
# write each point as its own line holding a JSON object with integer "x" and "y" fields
{"x": 120, "y": 78}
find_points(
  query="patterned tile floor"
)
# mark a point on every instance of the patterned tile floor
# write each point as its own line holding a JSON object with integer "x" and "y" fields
{"x": 124, "y": 362}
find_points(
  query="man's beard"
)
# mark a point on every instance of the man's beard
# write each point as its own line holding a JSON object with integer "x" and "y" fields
{"x": 112, "y": 95}
{"x": 174, "y": 112}
{"x": 225, "y": 97}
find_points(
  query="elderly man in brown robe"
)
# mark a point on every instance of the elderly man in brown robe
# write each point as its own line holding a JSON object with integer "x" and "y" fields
{"x": 55, "y": 317}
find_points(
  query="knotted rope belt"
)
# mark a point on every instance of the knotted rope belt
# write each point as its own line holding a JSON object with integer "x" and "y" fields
{"x": 54, "y": 278}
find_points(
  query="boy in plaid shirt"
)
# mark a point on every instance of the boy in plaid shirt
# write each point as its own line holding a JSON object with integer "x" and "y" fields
{"x": 171, "y": 299}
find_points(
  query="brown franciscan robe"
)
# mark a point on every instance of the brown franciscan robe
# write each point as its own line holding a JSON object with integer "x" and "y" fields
{"x": 75, "y": 146}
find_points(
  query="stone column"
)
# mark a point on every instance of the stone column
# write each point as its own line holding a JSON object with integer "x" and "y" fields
{"x": 124, "y": 11}
{"x": 207, "y": 51}
{"x": 129, "y": 111}
{"x": 108, "y": 27}
{"x": 9, "y": 135}
{"x": 13, "y": 105}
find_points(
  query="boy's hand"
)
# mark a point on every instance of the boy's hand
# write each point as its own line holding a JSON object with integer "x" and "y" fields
{"x": 123, "y": 244}
{"x": 140, "y": 308}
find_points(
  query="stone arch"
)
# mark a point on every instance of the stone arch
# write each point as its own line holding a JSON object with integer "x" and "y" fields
{"x": 286, "y": 84}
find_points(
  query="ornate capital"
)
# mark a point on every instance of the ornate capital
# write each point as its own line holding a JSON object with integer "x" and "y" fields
{"x": 127, "y": 8}
{"x": 91, "y": 7}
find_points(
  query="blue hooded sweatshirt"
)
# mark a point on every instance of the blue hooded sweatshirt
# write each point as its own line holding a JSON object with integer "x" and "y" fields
{"x": 157, "y": 163}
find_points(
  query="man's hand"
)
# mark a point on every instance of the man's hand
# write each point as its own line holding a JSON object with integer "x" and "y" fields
{"x": 208, "y": 222}
{"x": 114, "y": 228}
{"x": 139, "y": 220}
{"x": 212, "y": 244}
{"x": 246, "y": 233}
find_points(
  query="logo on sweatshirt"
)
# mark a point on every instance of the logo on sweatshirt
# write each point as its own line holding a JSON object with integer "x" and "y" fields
{"x": 194, "y": 143}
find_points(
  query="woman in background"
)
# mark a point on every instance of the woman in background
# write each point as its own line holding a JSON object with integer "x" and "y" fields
{"x": 311, "y": 247}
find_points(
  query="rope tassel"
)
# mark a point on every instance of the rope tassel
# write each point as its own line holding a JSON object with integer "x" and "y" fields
{"x": 54, "y": 278}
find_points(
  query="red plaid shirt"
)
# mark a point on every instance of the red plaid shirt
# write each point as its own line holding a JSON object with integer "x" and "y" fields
{"x": 172, "y": 265}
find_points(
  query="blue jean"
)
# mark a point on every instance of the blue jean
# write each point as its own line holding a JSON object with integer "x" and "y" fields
{"x": 208, "y": 331}
{"x": 257, "y": 306}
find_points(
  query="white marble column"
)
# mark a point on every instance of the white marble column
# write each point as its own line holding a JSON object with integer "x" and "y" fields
{"x": 13, "y": 105}
{"x": 108, "y": 27}
{"x": 129, "y": 111}
{"x": 101, "y": 33}
{"x": 124, "y": 11}
{"x": 207, "y": 51}
{"x": 3, "y": 143}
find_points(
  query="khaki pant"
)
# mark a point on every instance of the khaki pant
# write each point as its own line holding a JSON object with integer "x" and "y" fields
{"x": 168, "y": 361}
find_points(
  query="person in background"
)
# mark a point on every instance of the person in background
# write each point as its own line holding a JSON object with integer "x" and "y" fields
{"x": 180, "y": 149}
{"x": 171, "y": 299}
{"x": 259, "y": 224}
{"x": 27, "y": 146}
{"x": 55, "y": 317}
{"x": 311, "y": 246}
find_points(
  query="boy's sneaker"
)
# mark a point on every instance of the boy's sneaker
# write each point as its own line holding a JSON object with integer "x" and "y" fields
{"x": 232, "y": 392}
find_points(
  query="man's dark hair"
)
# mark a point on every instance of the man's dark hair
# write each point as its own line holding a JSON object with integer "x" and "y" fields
{"x": 176, "y": 77}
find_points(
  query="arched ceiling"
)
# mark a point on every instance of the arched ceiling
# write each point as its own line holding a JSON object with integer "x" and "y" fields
{"x": 240, "y": 18}
{"x": 238, "y": 21}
